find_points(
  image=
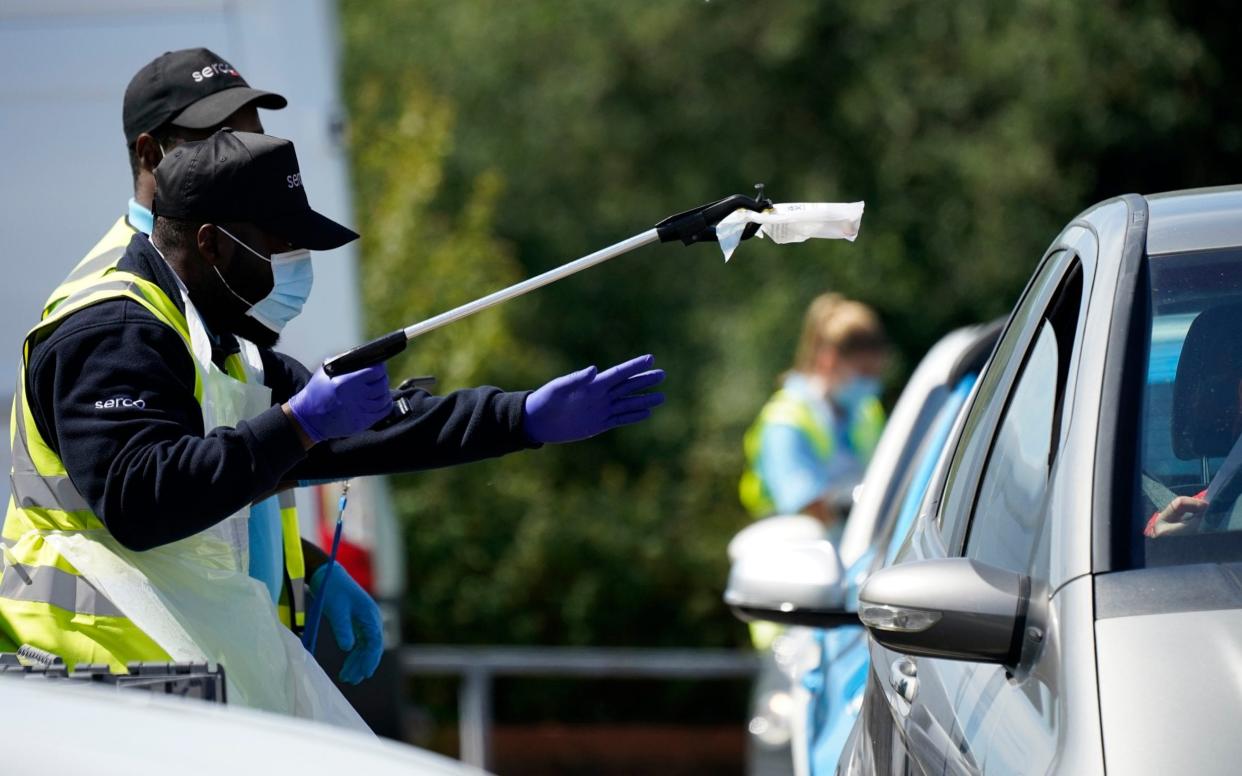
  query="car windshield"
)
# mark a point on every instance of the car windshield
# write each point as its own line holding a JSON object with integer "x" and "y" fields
{"x": 1188, "y": 508}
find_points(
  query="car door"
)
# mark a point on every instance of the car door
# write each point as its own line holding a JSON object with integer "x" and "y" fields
{"x": 940, "y": 716}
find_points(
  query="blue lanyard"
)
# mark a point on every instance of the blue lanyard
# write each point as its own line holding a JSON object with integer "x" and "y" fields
{"x": 313, "y": 615}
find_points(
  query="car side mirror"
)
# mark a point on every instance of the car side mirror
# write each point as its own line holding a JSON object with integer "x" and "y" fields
{"x": 775, "y": 530}
{"x": 953, "y": 608}
{"x": 792, "y": 583}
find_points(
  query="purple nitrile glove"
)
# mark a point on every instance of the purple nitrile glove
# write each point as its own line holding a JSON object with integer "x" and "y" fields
{"x": 585, "y": 403}
{"x": 331, "y": 407}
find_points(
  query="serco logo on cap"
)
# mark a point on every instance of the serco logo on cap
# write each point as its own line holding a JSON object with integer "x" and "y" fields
{"x": 214, "y": 69}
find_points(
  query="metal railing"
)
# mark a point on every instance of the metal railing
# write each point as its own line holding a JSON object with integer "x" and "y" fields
{"x": 478, "y": 666}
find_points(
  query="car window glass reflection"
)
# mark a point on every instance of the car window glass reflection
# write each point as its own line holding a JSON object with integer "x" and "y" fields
{"x": 972, "y": 443}
{"x": 1190, "y": 478}
{"x": 1009, "y": 510}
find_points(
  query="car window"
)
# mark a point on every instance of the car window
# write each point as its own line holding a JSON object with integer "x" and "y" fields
{"x": 1189, "y": 476}
{"x": 1009, "y": 510}
{"x": 974, "y": 439}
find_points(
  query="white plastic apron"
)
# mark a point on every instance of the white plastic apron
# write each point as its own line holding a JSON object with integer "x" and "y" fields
{"x": 195, "y": 598}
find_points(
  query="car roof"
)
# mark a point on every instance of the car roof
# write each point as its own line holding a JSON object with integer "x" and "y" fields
{"x": 81, "y": 729}
{"x": 1194, "y": 220}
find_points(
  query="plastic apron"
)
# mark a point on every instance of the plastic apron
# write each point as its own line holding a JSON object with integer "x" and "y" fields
{"x": 195, "y": 597}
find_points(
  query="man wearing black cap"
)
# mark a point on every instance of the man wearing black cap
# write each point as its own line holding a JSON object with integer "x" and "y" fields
{"x": 178, "y": 96}
{"x": 152, "y": 413}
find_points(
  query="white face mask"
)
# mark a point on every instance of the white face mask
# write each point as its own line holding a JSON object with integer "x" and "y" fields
{"x": 292, "y": 279}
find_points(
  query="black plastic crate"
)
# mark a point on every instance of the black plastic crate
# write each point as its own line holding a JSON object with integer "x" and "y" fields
{"x": 186, "y": 680}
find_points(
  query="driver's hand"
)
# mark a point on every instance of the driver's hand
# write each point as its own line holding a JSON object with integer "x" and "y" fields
{"x": 1182, "y": 515}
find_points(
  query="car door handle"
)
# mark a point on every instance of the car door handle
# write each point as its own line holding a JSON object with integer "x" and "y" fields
{"x": 903, "y": 676}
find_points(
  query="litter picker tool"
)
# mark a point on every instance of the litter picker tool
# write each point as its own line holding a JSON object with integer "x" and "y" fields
{"x": 727, "y": 221}
{"x": 693, "y": 226}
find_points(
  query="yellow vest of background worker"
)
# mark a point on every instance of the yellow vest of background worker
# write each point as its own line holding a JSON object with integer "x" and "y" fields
{"x": 70, "y": 588}
{"x": 788, "y": 409}
{"x": 102, "y": 258}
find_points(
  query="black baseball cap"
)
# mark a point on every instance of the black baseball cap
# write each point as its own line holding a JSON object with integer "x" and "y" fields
{"x": 192, "y": 88}
{"x": 247, "y": 177}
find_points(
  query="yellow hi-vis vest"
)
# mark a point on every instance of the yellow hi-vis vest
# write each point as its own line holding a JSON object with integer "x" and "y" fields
{"x": 787, "y": 408}
{"x": 44, "y": 601}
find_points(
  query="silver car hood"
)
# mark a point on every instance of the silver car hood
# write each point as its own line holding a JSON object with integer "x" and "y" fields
{"x": 1171, "y": 692}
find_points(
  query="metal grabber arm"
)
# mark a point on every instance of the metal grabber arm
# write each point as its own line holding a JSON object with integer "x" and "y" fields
{"x": 692, "y": 226}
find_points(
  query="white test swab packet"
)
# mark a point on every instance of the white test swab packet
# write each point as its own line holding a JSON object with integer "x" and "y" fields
{"x": 792, "y": 222}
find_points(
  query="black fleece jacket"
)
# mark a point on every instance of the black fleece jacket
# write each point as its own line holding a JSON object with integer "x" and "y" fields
{"x": 112, "y": 392}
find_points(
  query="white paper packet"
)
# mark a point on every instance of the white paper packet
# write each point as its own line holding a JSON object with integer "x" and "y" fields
{"x": 791, "y": 222}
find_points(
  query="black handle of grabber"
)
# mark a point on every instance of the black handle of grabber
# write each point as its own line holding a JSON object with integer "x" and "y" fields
{"x": 377, "y": 351}
{"x": 699, "y": 224}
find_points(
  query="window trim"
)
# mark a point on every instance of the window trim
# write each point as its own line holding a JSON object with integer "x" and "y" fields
{"x": 1117, "y": 449}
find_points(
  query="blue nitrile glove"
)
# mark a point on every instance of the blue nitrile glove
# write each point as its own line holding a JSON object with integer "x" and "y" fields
{"x": 354, "y": 619}
{"x": 331, "y": 407}
{"x": 584, "y": 403}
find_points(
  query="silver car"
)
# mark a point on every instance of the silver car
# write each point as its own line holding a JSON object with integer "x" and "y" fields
{"x": 1070, "y": 597}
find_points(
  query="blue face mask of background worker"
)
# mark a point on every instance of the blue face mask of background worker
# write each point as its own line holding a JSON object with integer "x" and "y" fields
{"x": 851, "y": 395}
{"x": 292, "y": 277}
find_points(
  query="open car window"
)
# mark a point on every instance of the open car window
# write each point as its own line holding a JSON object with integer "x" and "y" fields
{"x": 1189, "y": 479}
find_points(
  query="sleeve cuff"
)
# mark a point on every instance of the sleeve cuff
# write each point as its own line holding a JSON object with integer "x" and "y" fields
{"x": 513, "y": 405}
{"x": 281, "y": 448}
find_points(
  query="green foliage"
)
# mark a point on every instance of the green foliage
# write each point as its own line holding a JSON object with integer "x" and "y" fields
{"x": 493, "y": 139}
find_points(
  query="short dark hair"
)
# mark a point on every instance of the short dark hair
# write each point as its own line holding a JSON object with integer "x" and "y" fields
{"x": 165, "y": 135}
{"x": 174, "y": 234}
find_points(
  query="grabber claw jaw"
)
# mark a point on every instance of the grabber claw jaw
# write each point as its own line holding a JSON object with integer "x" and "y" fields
{"x": 699, "y": 224}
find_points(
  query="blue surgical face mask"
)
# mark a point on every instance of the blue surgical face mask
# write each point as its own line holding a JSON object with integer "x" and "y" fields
{"x": 292, "y": 279}
{"x": 854, "y": 392}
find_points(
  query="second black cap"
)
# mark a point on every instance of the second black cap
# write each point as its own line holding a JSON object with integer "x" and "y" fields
{"x": 247, "y": 177}
{"x": 191, "y": 88}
